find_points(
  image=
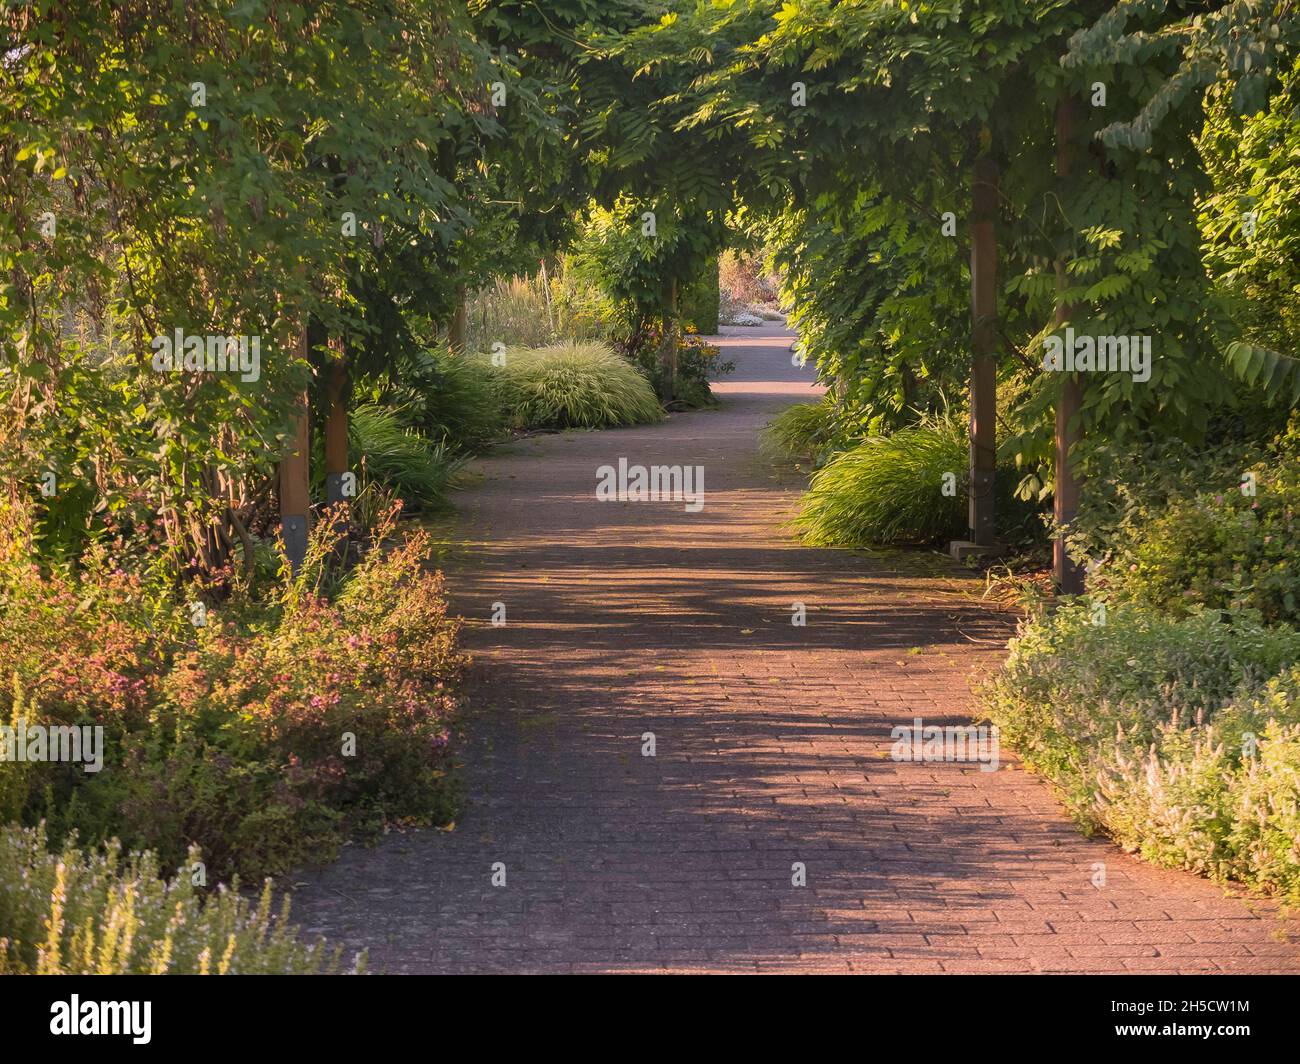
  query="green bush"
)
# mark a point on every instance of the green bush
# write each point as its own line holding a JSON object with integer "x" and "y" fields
{"x": 108, "y": 913}
{"x": 699, "y": 301}
{"x": 1209, "y": 544}
{"x": 419, "y": 470}
{"x": 698, "y": 363}
{"x": 585, "y": 386}
{"x": 1178, "y": 736}
{"x": 889, "y": 489}
{"x": 447, "y": 399}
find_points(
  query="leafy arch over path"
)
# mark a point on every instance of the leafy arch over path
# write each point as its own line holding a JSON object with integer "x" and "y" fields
{"x": 199, "y": 163}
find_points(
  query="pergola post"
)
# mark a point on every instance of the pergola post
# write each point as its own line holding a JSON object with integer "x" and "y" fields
{"x": 981, "y": 519}
{"x": 1067, "y": 574}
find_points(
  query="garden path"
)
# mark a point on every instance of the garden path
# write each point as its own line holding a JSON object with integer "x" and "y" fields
{"x": 772, "y": 747}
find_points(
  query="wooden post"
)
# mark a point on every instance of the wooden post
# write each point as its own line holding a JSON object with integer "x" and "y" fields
{"x": 1065, "y": 504}
{"x": 668, "y": 345}
{"x": 984, "y": 370}
{"x": 336, "y": 424}
{"x": 295, "y": 479}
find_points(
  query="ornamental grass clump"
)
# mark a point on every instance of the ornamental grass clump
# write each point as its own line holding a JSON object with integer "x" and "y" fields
{"x": 584, "y": 386}
{"x": 418, "y": 469}
{"x": 801, "y": 431}
{"x": 890, "y": 489}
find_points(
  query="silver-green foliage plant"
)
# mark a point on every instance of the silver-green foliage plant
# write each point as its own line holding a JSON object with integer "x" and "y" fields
{"x": 1177, "y": 736}
{"x": 106, "y": 912}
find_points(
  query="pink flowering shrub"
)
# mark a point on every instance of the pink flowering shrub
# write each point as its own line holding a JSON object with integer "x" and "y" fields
{"x": 85, "y": 647}
{"x": 282, "y": 725}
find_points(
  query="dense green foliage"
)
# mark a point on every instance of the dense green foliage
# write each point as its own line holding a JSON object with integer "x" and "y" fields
{"x": 1166, "y": 705}
{"x": 448, "y": 400}
{"x": 337, "y": 181}
{"x": 1178, "y": 736}
{"x": 222, "y": 173}
{"x": 418, "y": 469}
{"x": 801, "y": 431}
{"x": 1181, "y": 531}
{"x": 889, "y": 489}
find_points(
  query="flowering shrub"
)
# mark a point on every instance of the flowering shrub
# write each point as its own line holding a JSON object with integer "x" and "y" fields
{"x": 264, "y": 736}
{"x": 85, "y": 647}
{"x": 107, "y": 913}
{"x": 1178, "y": 736}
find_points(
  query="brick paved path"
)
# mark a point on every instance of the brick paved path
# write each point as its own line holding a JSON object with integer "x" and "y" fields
{"x": 772, "y": 747}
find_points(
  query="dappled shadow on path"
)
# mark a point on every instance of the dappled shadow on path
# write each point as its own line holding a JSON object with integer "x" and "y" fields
{"x": 630, "y": 622}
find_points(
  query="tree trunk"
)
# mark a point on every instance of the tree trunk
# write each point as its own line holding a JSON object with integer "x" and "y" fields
{"x": 295, "y": 481}
{"x": 984, "y": 370}
{"x": 668, "y": 345}
{"x": 1065, "y": 504}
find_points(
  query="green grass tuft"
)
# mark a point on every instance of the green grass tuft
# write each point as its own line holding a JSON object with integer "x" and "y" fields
{"x": 418, "y": 469}
{"x": 449, "y": 398}
{"x": 800, "y": 431}
{"x": 586, "y": 386}
{"x": 888, "y": 489}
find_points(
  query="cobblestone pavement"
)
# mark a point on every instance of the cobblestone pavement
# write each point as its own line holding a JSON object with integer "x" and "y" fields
{"x": 772, "y": 747}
